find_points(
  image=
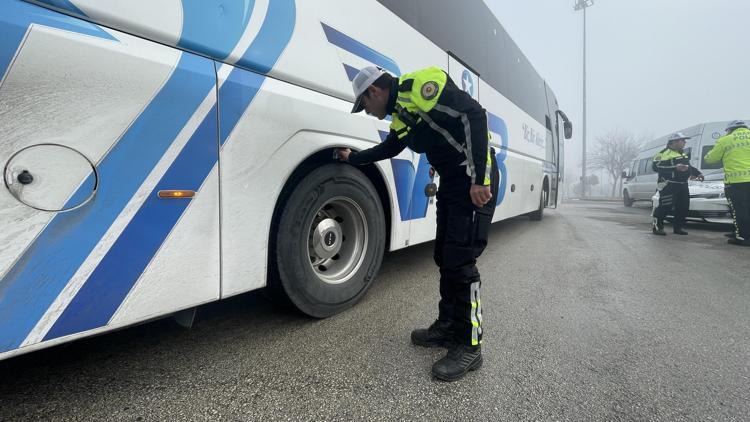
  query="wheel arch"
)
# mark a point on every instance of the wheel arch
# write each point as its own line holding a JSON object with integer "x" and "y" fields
{"x": 311, "y": 162}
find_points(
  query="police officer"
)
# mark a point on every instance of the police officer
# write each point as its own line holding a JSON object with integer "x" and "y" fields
{"x": 674, "y": 171}
{"x": 431, "y": 115}
{"x": 733, "y": 150}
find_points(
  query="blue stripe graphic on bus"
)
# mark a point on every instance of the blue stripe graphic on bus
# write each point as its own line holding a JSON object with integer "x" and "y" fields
{"x": 273, "y": 37}
{"x": 65, "y": 5}
{"x": 122, "y": 266}
{"x": 420, "y": 201}
{"x": 410, "y": 183}
{"x": 355, "y": 47}
{"x": 497, "y": 125}
{"x": 44, "y": 270}
{"x": 236, "y": 95}
{"x": 403, "y": 174}
{"x": 213, "y": 27}
{"x": 119, "y": 270}
{"x": 114, "y": 277}
{"x": 19, "y": 16}
{"x": 351, "y": 71}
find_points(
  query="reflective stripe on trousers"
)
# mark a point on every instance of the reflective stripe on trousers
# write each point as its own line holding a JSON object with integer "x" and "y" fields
{"x": 476, "y": 313}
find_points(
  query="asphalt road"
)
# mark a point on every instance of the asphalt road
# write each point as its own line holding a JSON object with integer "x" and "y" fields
{"x": 587, "y": 317}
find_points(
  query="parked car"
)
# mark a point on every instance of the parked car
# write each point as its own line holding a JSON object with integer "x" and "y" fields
{"x": 708, "y": 203}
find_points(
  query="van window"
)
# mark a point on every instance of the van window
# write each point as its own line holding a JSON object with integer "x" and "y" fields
{"x": 650, "y": 166}
{"x": 704, "y": 164}
{"x": 642, "y": 166}
{"x": 634, "y": 170}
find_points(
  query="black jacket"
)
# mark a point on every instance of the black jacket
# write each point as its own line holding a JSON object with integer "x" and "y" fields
{"x": 665, "y": 163}
{"x": 459, "y": 115}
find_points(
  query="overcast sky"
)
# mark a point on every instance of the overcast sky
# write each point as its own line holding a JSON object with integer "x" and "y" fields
{"x": 653, "y": 66}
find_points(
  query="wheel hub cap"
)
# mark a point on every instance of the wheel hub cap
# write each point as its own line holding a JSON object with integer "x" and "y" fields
{"x": 327, "y": 238}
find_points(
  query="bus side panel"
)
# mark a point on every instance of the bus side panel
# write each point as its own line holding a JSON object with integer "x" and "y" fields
{"x": 184, "y": 270}
{"x": 239, "y": 33}
{"x": 519, "y": 142}
{"x": 131, "y": 108}
{"x": 522, "y": 172}
{"x": 323, "y": 53}
{"x": 271, "y": 128}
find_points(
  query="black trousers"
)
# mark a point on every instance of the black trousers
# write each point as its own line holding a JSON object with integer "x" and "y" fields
{"x": 738, "y": 195}
{"x": 674, "y": 196}
{"x": 460, "y": 238}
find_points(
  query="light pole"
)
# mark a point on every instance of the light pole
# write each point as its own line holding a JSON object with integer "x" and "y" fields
{"x": 583, "y": 4}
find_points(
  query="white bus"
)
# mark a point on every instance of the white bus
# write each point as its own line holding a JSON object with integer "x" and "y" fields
{"x": 162, "y": 154}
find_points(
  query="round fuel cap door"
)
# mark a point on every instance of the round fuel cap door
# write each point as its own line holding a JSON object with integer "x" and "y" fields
{"x": 51, "y": 177}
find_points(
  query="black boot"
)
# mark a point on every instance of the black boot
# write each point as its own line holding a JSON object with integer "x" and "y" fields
{"x": 459, "y": 360}
{"x": 678, "y": 230}
{"x": 439, "y": 334}
{"x": 658, "y": 227}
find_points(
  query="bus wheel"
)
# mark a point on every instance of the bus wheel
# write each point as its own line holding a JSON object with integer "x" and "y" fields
{"x": 330, "y": 240}
{"x": 539, "y": 214}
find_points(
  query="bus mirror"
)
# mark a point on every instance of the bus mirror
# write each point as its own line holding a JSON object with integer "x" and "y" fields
{"x": 567, "y": 126}
{"x": 624, "y": 174}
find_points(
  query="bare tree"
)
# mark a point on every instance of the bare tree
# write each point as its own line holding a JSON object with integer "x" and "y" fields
{"x": 614, "y": 152}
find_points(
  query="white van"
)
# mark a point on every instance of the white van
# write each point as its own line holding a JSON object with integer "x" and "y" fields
{"x": 707, "y": 200}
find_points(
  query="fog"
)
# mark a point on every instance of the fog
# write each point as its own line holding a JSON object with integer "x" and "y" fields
{"x": 653, "y": 67}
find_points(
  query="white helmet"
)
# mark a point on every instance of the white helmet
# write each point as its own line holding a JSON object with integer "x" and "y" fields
{"x": 736, "y": 125}
{"x": 677, "y": 137}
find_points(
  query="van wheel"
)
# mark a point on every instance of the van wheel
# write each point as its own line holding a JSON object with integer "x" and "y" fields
{"x": 539, "y": 214}
{"x": 626, "y": 199}
{"x": 329, "y": 241}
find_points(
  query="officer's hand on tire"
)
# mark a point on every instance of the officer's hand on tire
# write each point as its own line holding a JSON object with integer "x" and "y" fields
{"x": 698, "y": 178}
{"x": 343, "y": 153}
{"x": 480, "y": 195}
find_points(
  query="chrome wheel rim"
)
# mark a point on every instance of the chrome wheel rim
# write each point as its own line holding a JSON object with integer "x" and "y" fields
{"x": 337, "y": 240}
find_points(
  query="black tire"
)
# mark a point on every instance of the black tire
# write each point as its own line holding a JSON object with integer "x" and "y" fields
{"x": 539, "y": 213}
{"x": 626, "y": 199}
{"x": 328, "y": 204}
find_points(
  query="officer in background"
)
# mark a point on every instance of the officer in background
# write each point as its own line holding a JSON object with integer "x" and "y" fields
{"x": 674, "y": 171}
{"x": 431, "y": 115}
{"x": 733, "y": 150}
